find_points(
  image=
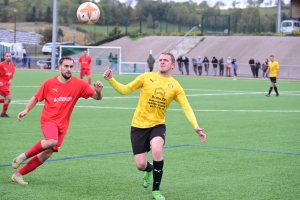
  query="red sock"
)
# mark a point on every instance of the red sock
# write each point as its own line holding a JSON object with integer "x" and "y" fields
{"x": 89, "y": 81}
{"x": 5, "y": 107}
{"x": 1, "y": 100}
{"x": 36, "y": 149}
{"x": 30, "y": 166}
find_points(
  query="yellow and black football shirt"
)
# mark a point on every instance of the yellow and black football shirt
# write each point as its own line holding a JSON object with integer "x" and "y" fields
{"x": 157, "y": 92}
{"x": 273, "y": 67}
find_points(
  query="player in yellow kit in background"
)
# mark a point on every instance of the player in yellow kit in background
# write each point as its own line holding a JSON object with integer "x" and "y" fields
{"x": 158, "y": 90}
{"x": 273, "y": 68}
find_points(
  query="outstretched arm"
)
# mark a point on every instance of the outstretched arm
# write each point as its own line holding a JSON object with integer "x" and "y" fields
{"x": 98, "y": 86}
{"x": 191, "y": 117}
{"x": 31, "y": 103}
{"x": 122, "y": 89}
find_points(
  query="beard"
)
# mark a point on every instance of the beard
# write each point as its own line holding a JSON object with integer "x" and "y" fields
{"x": 65, "y": 76}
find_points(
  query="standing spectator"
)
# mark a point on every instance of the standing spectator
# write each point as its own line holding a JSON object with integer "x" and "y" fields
{"x": 150, "y": 62}
{"x": 206, "y": 65}
{"x": 28, "y": 61}
{"x": 24, "y": 60}
{"x": 110, "y": 59}
{"x": 115, "y": 62}
{"x": 264, "y": 68}
{"x": 194, "y": 61}
{"x": 84, "y": 64}
{"x": 179, "y": 62}
{"x": 186, "y": 61}
{"x": 7, "y": 71}
{"x": 273, "y": 68}
{"x": 228, "y": 66}
{"x": 199, "y": 65}
{"x": 214, "y": 62}
{"x": 252, "y": 66}
{"x": 148, "y": 129}
{"x": 14, "y": 58}
{"x": 56, "y": 60}
{"x": 235, "y": 68}
{"x": 257, "y": 67}
{"x": 60, "y": 95}
{"x": 221, "y": 66}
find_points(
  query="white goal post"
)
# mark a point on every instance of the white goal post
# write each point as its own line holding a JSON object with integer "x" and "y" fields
{"x": 98, "y": 54}
{"x": 100, "y": 61}
{"x": 133, "y": 67}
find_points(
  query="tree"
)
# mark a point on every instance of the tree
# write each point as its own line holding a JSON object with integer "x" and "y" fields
{"x": 33, "y": 14}
{"x": 47, "y": 35}
{"x": 203, "y": 6}
{"x": 115, "y": 31}
{"x": 219, "y": 5}
{"x": 60, "y": 33}
{"x": 48, "y": 15}
{"x": 4, "y": 15}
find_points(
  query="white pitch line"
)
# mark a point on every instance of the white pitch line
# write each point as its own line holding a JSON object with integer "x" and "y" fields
{"x": 188, "y": 95}
{"x": 196, "y": 110}
{"x": 233, "y": 91}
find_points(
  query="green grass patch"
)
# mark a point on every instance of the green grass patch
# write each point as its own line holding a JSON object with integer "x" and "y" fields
{"x": 252, "y": 150}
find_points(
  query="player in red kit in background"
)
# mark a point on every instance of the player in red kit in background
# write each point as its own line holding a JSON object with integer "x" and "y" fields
{"x": 85, "y": 66}
{"x": 7, "y": 71}
{"x": 60, "y": 95}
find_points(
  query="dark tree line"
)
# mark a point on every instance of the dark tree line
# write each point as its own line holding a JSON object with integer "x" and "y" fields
{"x": 115, "y": 13}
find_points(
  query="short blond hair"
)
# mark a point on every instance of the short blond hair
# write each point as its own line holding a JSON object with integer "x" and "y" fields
{"x": 170, "y": 54}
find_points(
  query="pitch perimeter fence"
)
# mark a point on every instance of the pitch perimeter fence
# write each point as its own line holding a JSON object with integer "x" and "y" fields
{"x": 244, "y": 70}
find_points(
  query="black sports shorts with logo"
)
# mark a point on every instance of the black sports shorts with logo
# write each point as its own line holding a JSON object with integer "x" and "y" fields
{"x": 141, "y": 137}
{"x": 273, "y": 79}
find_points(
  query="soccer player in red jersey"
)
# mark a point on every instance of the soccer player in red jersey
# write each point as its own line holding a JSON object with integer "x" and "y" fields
{"x": 85, "y": 66}
{"x": 7, "y": 71}
{"x": 60, "y": 95}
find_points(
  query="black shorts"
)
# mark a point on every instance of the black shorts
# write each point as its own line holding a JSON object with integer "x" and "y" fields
{"x": 273, "y": 79}
{"x": 141, "y": 137}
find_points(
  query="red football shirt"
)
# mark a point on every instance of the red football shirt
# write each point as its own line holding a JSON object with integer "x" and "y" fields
{"x": 60, "y": 99}
{"x": 6, "y": 73}
{"x": 85, "y": 62}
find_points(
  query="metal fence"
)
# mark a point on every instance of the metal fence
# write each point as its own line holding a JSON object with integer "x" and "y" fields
{"x": 244, "y": 70}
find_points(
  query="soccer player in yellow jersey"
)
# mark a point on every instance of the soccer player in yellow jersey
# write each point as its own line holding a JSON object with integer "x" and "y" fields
{"x": 273, "y": 68}
{"x": 148, "y": 130}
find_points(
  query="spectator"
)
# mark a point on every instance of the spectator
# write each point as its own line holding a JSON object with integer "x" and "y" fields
{"x": 264, "y": 68}
{"x": 235, "y": 68}
{"x": 252, "y": 66}
{"x": 24, "y": 60}
{"x": 179, "y": 62}
{"x": 150, "y": 62}
{"x": 185, "y": 61}
{"x": 221, "y": 66}
{"x": 199, "y": 65}
{"x": 194, "y": 61}
{"x": 228, "y": 66}
{"x": 206, "y": 64}
{"x": 257, "y": 67}
{"x": 28, "y": 61}
{"x": 13, "y": 57}
{"x": 56, "y": 60}
{"x": 110, "y": 59}
{"x": 214, "y": 62}
{"x": 115, "y": 62}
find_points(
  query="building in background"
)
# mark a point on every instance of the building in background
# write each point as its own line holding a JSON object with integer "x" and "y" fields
{"x": 295, "y": 9}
